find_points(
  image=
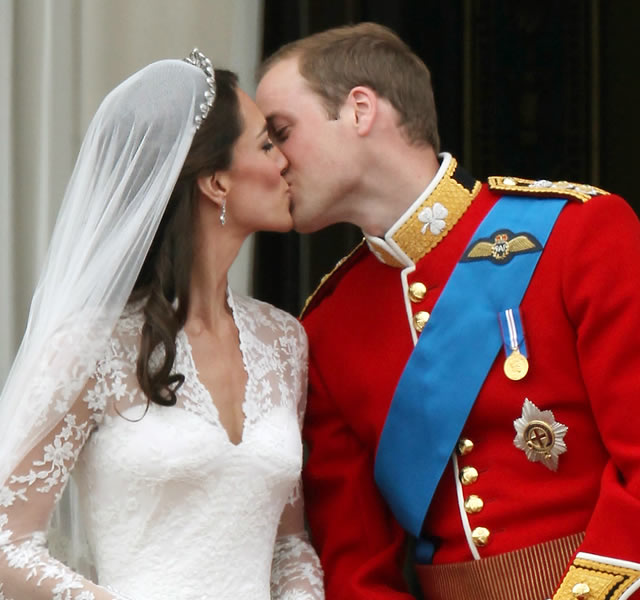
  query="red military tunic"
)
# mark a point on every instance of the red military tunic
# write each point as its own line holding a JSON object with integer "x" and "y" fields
{"x": 581, "y": 317}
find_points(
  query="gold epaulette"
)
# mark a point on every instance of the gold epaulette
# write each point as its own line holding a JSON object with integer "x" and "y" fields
{"x": 339, "y": 265}
{"x": 543, "y": 187}
{"x": 589, "y": 579}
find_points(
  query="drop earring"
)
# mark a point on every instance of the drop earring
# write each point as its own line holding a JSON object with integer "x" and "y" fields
{"x": 223, "y": 212}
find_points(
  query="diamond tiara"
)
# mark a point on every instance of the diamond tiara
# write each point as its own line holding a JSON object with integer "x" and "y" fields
{"x": 199, "y": 60}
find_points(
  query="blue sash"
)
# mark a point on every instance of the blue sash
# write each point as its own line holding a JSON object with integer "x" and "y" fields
{"x": 450, "y": 362}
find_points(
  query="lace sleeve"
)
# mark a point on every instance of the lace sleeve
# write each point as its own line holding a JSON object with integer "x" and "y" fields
{"x": 296, "y": 573}
{"x": 27, "y": 500}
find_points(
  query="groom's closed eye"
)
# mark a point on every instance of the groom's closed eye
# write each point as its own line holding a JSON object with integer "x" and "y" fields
{"x": 281, "y": 134}
{"x": 277, "y": 132}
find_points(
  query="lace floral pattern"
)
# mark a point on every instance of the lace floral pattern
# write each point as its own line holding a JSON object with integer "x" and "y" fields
{"x": 59, "y": 457}
{"x": 170, "y": 506}
{"x": 296, "y": 571}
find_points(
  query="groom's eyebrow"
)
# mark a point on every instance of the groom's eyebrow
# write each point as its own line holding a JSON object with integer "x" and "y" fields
{"x": 272, "y": 117}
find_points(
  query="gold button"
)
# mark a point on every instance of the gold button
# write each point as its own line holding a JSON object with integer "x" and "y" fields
{"x": 480, "y": 536}
{"x": 581, "y": 590}
{"x": 468, "y": 475}
{"x": 473, "y": 504}
{"x": 417, "y": 291}
{"x": 420, "y": 320}
{"x": 465, "y": 445}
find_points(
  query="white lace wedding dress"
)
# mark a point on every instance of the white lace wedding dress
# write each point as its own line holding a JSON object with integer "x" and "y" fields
{"x": 172, "y": 509}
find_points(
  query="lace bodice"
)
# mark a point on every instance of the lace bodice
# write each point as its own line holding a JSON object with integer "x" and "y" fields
{"x": 172, "y": 509}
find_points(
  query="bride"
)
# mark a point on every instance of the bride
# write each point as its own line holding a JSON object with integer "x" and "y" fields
{"x": 151, "y": 420}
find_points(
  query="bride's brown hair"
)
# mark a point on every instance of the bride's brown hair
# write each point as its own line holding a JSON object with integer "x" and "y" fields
{"x": 163, "y": 282}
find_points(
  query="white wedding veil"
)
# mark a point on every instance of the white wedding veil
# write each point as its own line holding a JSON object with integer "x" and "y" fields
{"x": 126, "y": 170}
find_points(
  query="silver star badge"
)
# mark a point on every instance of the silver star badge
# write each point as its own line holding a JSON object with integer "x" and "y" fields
{"x": 539, "y": 435}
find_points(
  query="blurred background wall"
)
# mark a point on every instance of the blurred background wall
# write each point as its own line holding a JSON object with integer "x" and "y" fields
{"x": 58, "y": 59}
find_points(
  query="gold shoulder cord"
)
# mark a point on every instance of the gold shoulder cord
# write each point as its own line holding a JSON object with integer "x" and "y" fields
{"x": 328, "y": 276}
{"x": 545, "y": 188}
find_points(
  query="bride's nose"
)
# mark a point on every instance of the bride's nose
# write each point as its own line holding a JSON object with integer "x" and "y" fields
{"x": 281, "y": 160}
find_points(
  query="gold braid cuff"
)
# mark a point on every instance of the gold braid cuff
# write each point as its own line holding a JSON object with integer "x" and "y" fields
{"x": 591, "y": 580}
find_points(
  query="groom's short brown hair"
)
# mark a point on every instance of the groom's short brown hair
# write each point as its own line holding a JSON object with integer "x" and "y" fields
{"x": 336, "y": 60}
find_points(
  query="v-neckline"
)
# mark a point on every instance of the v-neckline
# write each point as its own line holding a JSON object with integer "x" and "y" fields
{"x": 204, "y": 390}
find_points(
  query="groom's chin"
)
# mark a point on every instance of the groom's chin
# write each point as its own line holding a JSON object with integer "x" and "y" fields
{"x": 306, "y": 221}
{"x": 305, "y": 226}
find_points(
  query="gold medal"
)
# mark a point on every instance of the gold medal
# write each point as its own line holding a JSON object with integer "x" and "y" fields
{"x": 516, "y": 365}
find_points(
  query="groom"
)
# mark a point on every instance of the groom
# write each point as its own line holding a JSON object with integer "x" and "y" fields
{"x": 474, "y": 363}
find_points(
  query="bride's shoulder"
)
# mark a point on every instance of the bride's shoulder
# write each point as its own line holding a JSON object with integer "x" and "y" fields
{"x": 268, "y": 315}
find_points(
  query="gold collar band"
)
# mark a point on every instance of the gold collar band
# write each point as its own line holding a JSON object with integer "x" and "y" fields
{"x": 429, "y": 219}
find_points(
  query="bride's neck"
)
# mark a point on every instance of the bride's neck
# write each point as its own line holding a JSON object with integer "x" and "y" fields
{"x": 215, "y": 248}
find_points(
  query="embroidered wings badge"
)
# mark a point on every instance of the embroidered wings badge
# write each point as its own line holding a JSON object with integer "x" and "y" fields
{"x": 501, "y": 247}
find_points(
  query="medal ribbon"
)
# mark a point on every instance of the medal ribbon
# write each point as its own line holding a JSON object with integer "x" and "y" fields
{"x": 512, "y": 331}
{"x": 450, "y": 362}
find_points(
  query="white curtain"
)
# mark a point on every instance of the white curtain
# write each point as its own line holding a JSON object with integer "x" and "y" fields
{"x": 58, "y": 59}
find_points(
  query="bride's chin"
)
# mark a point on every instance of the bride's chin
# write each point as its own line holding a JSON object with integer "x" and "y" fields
{"x": 287, "y": 220}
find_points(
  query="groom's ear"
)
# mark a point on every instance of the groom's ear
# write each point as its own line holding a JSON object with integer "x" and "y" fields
{"x": 363, "y": 104}
{"x": 215, "y": 187}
